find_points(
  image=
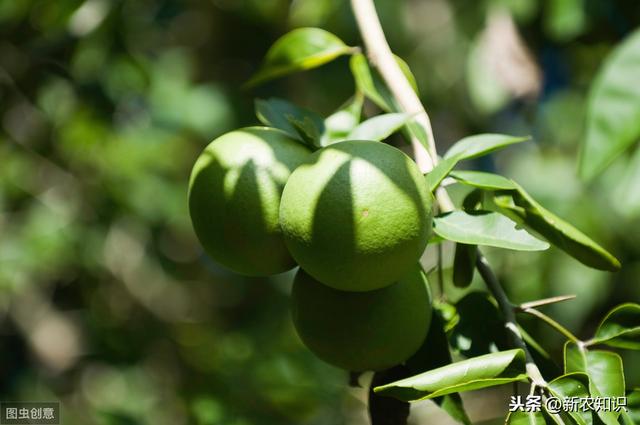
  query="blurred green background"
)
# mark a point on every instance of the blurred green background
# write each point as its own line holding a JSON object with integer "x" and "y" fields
{"x": 107, "y": 302}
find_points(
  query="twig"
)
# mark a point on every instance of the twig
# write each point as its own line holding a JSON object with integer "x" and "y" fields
{"x": 549, "y": 321}
{"x": 382, "y": 58}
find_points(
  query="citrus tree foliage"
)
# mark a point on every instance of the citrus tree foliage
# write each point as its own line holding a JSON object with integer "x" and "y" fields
{"x": 498, "y": 212}
{"x": 104, "y": 106}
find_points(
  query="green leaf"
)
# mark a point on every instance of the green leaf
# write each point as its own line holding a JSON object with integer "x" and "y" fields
{"x": 573, "y": 385}
{"x": 472, "y": 339}
{"x": 298, "y": 122}
{"x": 486, "y": 228}
{"x": 620, "y": 328}
{"x": 482, "y": 180}
{"x": 526, "y": 418}
{"x": 481, "y": 144}
{"x": 339, "y": 124}
{"x": 434, "y": 353}
{"x": 604, "y": 368}
{"x": 473, "y": 200}
{"x": 406, "y": 70}
{"x": 542, "y": 417}
{"x": 472, "y": 374}
{"x": 521, "y": 207}
{"x": 416, "y": 130}
{"x": 299, "y": 50}
{"x": 452, "y": 404}
{"x": 448, "y": 312}
{"x": 613, "y": 111}
{"x": 627, "y": 419}
{"x": 308, "y": 130}
{"x": 632, "y": 416}
{"x": 371, "y": 84}
{"x": 439, "y": 172}
{"x": 464, "y": 264}
{"x": 379, "y": 127}
{"x": 557, "y": 231}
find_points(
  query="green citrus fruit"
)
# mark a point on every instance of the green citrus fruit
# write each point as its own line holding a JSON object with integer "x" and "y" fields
{"x": 357, "y": 215}
{"x": 234, "y": 198}
{"x": 360, "y": 331}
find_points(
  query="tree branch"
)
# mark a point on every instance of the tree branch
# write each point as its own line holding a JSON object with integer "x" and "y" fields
{"x": 509, "y": 317}
{"x": 382, "y": 58}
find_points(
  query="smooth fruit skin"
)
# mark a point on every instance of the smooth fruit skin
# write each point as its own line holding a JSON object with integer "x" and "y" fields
{"x": 357, "y": 215}
{"x": 234, "y": 198}
{"x": 360, "y": 331}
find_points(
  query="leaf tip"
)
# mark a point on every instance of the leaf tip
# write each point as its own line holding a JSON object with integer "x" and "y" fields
{"x": 615, "y": 264}
{"x": 251, "y": 83}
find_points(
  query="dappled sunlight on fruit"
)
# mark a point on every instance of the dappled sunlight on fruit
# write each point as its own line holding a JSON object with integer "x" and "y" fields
{"x": 358, "y": 217}
{"x": 234, "y": 198}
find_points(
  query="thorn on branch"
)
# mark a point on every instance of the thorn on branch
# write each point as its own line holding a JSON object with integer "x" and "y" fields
{"x": 543, "y": 302}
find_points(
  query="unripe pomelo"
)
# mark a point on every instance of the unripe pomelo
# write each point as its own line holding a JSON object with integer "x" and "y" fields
{"x": 357, "y": 215}
{"x": 360, "y": 331}
{"x": 234, "y": 198}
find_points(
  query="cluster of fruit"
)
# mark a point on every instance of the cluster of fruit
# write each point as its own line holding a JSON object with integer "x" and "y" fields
{"x": 355, "y": 216}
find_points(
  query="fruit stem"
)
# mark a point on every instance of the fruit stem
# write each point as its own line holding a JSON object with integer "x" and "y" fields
{"x": 381, "y": 57}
